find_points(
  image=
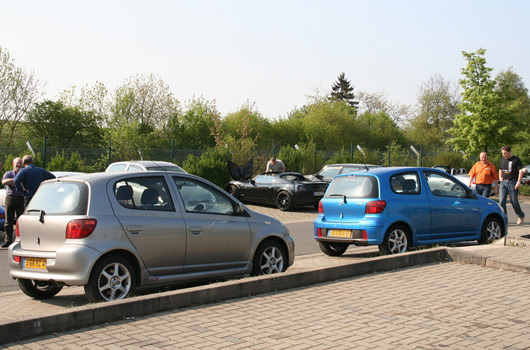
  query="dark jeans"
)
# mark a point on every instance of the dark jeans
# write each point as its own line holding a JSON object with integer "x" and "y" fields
{"x": 483, "y": 190}
{"x": 508, "y": 186}
{"x": 14, "y": 206}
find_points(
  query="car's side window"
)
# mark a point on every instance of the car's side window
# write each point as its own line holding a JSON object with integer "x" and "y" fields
{"x": 444, "y": 186}
{"x": 329, "y": 172}
{"x": 144, "y": 193}
{"x": 133, "y": 167}
{"x": 118, "y": 167}
{"x": 200, "y": 197}
{"x": 405, "y": 183}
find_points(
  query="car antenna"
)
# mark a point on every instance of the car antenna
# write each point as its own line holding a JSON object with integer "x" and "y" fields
{"x": 364, "y": 157}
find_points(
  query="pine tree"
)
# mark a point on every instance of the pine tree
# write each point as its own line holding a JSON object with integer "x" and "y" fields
{"x": 342, "y": 91}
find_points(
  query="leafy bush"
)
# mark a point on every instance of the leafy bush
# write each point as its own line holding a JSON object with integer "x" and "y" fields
{"x": 60, "y": 162}
{"x": 211, "y": 165}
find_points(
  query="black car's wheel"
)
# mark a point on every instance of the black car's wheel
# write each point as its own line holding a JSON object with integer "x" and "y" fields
{"x": 492, "y": 229}
{"x": 397, "y": 240}
{"x": 38, "y": 289}
{"x": 270, "y": 258}
{"x": 112, "y": 278}
{"x": 284, "y": 201}
{"x": 234, "y": 191}
{"x": 333, "y": 249}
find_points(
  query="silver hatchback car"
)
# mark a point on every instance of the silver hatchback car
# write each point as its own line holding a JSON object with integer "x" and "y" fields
{"x": 111, "y": 232}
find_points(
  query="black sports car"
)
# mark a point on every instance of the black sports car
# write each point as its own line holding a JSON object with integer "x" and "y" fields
{"x": 285, "y": 190}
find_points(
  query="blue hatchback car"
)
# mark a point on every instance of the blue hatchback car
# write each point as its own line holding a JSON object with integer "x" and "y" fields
{"x": 399, "y": 208}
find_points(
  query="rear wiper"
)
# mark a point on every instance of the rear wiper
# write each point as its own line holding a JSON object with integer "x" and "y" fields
{"x": 339, "y": 195}
{"x": 41, "y": 215}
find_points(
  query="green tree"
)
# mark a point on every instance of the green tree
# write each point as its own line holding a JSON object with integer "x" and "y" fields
{"x": 63, "y": 126}
{"x": 484, "y": 120}
{"x": 343, "y": 91}
{"x": 19, "y": 90}
{"x": 377, "y": 130}
{"x": 438, "y": 104}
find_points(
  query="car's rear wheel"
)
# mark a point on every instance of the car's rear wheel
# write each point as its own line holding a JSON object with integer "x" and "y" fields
{"x": 270, "y": 258}
{"x": 38, "y": 289}
{"x": 284, "y": 201}
{"x": 491, "y": 230}
{"x": 234, "y": 191}
{"x": 333, "y": 249}
{"x": 112, "y": 278}
{"x": 397, "y": 240}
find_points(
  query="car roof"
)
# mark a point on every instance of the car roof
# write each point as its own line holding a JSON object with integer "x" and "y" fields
{"x": 352, "y": 164}
{"x": 391, "y": 170}
{"x": 107, "y": 176}
{"x": 144, "y": 163}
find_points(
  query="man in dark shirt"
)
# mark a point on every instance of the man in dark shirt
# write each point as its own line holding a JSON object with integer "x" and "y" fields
{"x": 510, "y": 180}
{"x": 29, "y": 179}
{"x": 14, "y": 201}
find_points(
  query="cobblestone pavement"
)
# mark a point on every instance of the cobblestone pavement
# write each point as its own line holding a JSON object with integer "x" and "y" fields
{"x": 450, "y": 305}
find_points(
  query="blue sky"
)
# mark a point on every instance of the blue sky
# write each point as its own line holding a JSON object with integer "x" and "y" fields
{"x": 274, "y": 53}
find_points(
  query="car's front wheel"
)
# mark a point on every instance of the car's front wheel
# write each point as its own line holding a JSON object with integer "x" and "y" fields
{"x": 491, "y": 230}
{"x": 38, "y": 289}
{"x": 397, "y": 240}
{"x": 333, "y": 249}
{"x": 284, "y": 201}
{"x": 270, "y": 258}
{"x": 112, "y": 278}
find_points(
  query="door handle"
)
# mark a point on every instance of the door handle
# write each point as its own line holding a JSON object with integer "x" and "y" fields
{"x": 196, "y": 230}
{"x": 134, "y": 229}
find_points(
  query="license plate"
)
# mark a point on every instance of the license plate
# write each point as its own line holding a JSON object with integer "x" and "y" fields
{"x": 318, "y": 194}
{"x": 35, "y": 263}
{"x": 339, "y": 233}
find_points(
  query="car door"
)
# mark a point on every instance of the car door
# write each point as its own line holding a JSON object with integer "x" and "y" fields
{"x": 261, "y": 190}
{"x": 218, "y": 238}
{"x": 146, "y": 211}
{"x": 454, "y": 215}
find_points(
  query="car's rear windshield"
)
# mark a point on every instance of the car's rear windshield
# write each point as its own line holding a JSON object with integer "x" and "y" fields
{"x": 61, "y": 198}
{"x": 354, "y": 186}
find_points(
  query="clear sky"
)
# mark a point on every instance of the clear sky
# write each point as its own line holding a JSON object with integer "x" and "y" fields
{"x": 274, "y": 53}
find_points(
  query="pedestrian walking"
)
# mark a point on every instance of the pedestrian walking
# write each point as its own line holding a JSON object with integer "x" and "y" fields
{"x": 29, "y": 178}
{"x": 14, "y": 201}
{"x": 485, "y": 175}
{"x": 510, "y": 180}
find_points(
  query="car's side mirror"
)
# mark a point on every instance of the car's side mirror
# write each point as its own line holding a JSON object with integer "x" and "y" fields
{"x": 252, "y": 182}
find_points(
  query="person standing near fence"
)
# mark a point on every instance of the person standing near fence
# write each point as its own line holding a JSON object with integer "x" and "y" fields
{"x": 14, "y": 201}
{"x": 485, "y": 175}
{"x": 510, "y": 180}
{"x": 29, "y": 179}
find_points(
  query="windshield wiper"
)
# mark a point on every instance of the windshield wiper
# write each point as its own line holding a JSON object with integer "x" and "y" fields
{"x": 339, "y": 195}
{"x": 41, "y": 215}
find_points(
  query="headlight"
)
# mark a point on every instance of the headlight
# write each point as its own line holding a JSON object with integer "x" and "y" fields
{"x": 300, "y": 188}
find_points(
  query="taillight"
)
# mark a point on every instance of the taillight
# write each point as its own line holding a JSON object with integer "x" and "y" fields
{"x": 80, "y": 228}
{"x": 16, "y": 258}
{"x": 375, "y": 207}
{"x": 2, "y": 215}
{"x": 17, "y": 231}
{"x": 320, "y": 207}
{"x": 319, "y": 232}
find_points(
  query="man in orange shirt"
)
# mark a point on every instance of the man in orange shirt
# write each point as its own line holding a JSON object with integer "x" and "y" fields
{"x": 484, "y": 174}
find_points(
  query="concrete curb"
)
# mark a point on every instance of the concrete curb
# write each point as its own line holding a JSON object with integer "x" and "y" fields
{"x": 94, "y": 314}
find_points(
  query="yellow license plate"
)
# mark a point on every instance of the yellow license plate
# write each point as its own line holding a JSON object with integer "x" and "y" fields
{"x": 35, "y": 263}
{"x": 340, "y": 233}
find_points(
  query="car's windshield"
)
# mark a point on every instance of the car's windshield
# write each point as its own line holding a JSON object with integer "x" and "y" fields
{"x": 354, "y": 186}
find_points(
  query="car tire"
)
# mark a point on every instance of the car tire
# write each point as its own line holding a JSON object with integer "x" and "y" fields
{"x": 492, "y": 229}
{"x": 333, "y": 249}
{"x": 270, "y": 258}
{"x": 38, "y": 289}
{"x": 397, "y": 240}
{"x": 112, "y": 278}
{"x": 234, "y": 191}
{"x": 284, "y": 201}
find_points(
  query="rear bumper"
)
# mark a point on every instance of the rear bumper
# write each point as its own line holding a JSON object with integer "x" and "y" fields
{"x": 365, "y": 232}
{"x": 70, "y": 265}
